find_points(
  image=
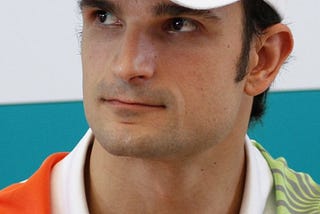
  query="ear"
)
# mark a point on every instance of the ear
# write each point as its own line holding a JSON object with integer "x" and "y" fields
{"x": 269, "y": 51}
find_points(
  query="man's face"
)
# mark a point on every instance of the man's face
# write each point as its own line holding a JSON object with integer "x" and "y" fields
{"x": 159, "y": 80}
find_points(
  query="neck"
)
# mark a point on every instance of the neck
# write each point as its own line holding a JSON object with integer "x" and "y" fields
{"x": 210, "y": 182}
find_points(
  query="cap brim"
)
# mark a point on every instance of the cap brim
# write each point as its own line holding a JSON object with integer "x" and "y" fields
{"x": 203, "y": 4}
{"x": 278, "y": 5}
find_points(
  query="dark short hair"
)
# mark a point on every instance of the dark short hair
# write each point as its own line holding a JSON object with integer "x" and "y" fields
{"x": 258, "y": 16}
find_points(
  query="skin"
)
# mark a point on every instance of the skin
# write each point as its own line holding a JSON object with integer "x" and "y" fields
{"x": 169, "y": 120}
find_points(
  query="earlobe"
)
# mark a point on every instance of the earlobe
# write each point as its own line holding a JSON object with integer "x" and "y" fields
{"x": 269, "y": 53}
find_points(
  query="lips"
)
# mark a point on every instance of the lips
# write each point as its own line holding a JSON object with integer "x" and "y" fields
{"x": 129, "y": 103}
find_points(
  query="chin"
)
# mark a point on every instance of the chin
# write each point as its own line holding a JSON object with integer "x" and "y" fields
{"x": 139, "y": 146}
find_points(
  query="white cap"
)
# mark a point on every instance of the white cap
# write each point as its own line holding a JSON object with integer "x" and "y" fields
{"x": 278, "y": 5}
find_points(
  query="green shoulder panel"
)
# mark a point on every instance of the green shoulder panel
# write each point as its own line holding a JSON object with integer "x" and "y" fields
{"x": 295, "y": 192}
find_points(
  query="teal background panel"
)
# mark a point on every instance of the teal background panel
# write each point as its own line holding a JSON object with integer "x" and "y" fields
{"x": 29, "y": 133}
{"x": 291, "y": 129}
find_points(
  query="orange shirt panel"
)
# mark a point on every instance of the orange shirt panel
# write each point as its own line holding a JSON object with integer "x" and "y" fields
{"x": 32, "y": 196}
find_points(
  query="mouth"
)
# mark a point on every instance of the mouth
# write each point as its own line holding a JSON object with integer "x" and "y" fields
{"x": 122, "y": 103}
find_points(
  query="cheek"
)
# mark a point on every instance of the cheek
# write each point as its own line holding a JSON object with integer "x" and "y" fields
{"x": 208, "y": 89}
{"x": 95, "y": 58}
{"x": 96, "y": 49}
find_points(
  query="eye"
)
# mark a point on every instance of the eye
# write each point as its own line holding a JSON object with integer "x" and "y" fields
{"x": 107, "y": 18}
{"x": 181, "y": 25}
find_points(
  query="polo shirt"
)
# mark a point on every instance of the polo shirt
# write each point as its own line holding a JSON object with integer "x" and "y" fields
{"x": 68, "y": 192}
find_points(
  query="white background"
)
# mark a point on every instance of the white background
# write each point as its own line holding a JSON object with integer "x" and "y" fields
{"x": 40, "y": 54}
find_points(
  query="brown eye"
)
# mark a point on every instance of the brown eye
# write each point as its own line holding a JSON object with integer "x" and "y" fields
{"x": 181, "y": 25}
{"x": 107, "y": 18}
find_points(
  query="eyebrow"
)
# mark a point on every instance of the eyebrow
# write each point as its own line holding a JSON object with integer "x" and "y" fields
{"x": 102, "y": 4}
{"x": 171, "y": 9}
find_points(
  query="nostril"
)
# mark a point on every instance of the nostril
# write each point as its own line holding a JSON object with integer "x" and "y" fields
{"x": 138, "y": 79}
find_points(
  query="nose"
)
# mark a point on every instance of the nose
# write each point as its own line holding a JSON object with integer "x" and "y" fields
{"x": 134, "y": 60}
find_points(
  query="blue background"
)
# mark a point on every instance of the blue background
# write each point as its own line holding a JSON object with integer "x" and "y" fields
{"x": 29, "y": 133}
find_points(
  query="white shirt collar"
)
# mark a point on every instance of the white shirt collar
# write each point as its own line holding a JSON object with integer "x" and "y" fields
{"x": 68, "y": 189}
{"x": 67, "y": 181}
{"x": 258, "y": 195}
